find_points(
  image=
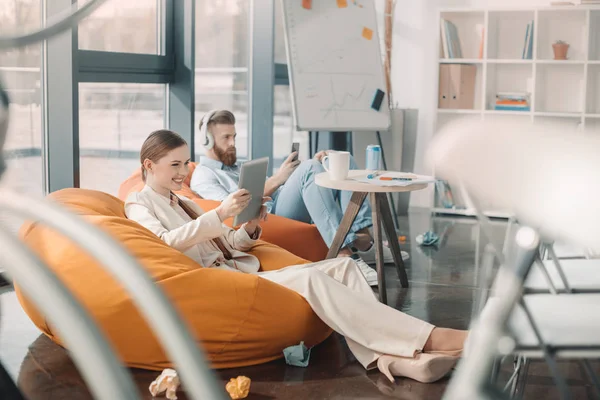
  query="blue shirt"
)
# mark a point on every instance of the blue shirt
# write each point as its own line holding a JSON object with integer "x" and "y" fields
{"x": 214, "y": 180}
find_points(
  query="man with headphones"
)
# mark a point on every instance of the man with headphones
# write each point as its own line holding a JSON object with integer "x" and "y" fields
{"x": 294, "y": 192}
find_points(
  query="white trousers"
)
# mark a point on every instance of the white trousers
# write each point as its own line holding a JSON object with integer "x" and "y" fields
{"x": 339, "y": 294}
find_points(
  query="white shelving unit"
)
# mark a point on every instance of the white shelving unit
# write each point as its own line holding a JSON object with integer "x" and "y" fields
{"x": 565, "y": 92}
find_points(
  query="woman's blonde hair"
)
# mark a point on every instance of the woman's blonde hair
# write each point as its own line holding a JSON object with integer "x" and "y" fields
{"x": 157, "y": 145}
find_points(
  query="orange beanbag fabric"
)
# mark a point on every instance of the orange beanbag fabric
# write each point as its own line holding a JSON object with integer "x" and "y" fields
{"x": 238, "y": 319}
{"x": 304, "y": 240}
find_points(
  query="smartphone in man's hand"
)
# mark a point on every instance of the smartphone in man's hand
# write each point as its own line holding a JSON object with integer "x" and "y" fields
{"x": 295, "y": 148}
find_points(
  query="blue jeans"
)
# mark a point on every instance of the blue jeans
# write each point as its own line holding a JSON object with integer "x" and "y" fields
{"x": 300, "y": 198}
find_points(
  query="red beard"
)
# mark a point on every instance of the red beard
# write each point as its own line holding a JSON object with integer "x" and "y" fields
{"x": 227, "y": 157}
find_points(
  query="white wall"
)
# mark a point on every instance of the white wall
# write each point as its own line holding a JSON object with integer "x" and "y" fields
{"x": 510, "y": 3}
{"x": 414, "y": 65}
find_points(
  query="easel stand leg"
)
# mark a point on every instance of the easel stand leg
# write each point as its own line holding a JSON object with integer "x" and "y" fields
{"x": 391, "y": 196}
{"x": 377, "y": 237}
{"x": 386, "y": 220}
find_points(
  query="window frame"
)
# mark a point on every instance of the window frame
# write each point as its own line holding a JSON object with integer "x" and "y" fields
{"x": 66, "y": 65}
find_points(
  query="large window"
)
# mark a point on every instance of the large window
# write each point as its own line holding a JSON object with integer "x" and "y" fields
{"x": 132, "y": 26}
{"x": 114, "y": 121}
{"x": 280, "y": 53}
{"x": 20, "y": 71}
{"x": 222, "y": 64}
{"x": 284, "y": 130}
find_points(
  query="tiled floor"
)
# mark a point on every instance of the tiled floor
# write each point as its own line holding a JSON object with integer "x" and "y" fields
{"x": 442, "y": 291}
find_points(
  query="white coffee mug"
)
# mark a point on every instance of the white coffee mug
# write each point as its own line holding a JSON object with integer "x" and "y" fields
{"x": 339, "y": 164}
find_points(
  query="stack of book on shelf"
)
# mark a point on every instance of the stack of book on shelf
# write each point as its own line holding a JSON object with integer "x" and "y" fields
{"x": 450, "y": 41}
{"x": 512, "y": 102}
{"x": 528, "y": 46}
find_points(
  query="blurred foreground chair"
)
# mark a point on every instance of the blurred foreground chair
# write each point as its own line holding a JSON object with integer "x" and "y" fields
{"x": 100, "y": 367}
{"x": 549, "y": 181}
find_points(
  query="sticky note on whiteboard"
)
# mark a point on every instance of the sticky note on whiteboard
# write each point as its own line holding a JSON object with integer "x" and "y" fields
{"x": 342, "y": 3}
{"x": 367, "y": 33}
{"x": 307, "y": 4}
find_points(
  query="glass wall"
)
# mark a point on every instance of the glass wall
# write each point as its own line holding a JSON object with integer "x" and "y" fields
{"x": 114, "y": 121}
{"x": 115, "y": 118}
{"x": 222, "y": 64}
{"x": 131, "y": 26}
{"x": 280, "y": 53}
{"x": 21, "y": 73}
{"x": 284, "y": 131}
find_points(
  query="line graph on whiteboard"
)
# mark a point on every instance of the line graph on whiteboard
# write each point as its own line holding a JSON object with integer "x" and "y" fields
{"x": 335, "y": 64}
{"x": 346, "y": 97}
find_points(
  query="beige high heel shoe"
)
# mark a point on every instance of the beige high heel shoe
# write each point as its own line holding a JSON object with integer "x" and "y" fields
{"x": 424, "y": 367}
{"x": 454, "y": 353}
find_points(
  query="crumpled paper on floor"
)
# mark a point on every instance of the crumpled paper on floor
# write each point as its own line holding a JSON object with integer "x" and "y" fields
{"x": 167, "y": 381}
{"x": 297, "y": 355}
{"x": 238, "y": 388}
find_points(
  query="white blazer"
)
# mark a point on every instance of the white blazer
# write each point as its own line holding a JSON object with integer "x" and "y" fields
{"x": 192, "y": 237}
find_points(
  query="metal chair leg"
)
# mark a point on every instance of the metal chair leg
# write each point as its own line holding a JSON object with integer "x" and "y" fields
{"x": 8, "y": 388}
{"x": 472, "y": 375}
{"x": 560, "y": 382}
{"x": 495, "y": 370}
{"x": 521, "y": 379}
{"x": 587, "y": 367}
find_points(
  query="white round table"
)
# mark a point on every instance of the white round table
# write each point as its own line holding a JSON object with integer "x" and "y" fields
{"x": 381, "y": 214}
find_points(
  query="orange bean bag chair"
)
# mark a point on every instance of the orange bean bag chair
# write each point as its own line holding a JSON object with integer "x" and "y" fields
{"x": 238, "y": 319}
{"x": 304, "y": 240}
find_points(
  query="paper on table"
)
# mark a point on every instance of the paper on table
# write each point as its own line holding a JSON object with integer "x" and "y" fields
{"x": 416, "y": 179}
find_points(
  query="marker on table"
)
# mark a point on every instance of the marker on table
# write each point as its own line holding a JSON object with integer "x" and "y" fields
{"x": 374, "y": 174}
{"x": 389, "y": 178}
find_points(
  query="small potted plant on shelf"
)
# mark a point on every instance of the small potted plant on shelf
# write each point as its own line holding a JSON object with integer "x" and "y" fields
{"x": 560, "y": 50}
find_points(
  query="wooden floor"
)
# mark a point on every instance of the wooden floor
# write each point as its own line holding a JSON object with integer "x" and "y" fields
{"x": 443, "y": 289}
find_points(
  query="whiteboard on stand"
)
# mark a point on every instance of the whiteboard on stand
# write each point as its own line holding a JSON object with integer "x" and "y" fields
{"x": 335, "y": 65}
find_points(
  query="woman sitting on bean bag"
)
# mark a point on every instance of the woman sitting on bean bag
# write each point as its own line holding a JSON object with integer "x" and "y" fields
{"x": 335, "y": 289}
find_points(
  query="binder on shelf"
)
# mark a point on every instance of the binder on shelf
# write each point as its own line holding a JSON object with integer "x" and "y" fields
{"x": 444, "y": 93}
{"x": 457, "y": 86}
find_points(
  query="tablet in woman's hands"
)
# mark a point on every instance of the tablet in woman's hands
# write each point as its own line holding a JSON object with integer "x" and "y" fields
{"x": 252, "y": 178}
